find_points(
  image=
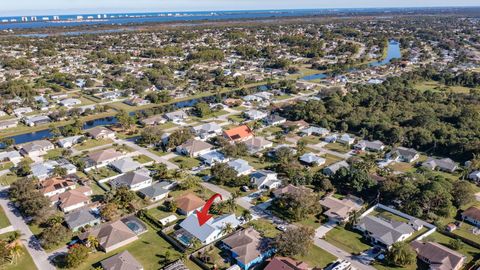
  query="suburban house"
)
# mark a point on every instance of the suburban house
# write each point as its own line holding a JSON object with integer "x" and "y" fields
{"x": 240, "y": 166}
{"x": 43, "y": 170}
{"x": 135, "y": 180}
{"x": 318, "y": 131}
{"x": 153, "y": 120}
{"x": 403, "y": 154}
{"x": 292, "y": 125}
{"x": 11, "y": 123}
{"x": 332, "y": 138}
{"x": 255, "y": 114}
{"x": 176, "y": 116}
{"x": 213, "y": 157}
{"x": 70, "y": 102}
{"x": 81, "y": 218}
{"x": 437, "y": 256}
{"x": 36, "y": 120}
{"x": 257, "y": 144}
{"x": 238, "y": 134}
{"x": 35, "y": 148}
{"x": 57, "y": 185}
{"x": 444, "y": 164}
{"x": 346, "y": 139}
{"x": 472, "y": 215}
{"x": 264, "y": 179}
{"x": 68, "y": 142}
{"x": 475, "y": 176}
{"x": 384, "y": 232}
{"x": 286, "y": 263}
{"x": 101, "y": 133}
{"x": 104, "y": 157}
{"x": 373, "y": 146}
{"x": 274, "y": 120}
{"x": 187, "y": 204}
{"x": 212, "y": 230}
{"x": 207, "y": 130}
{"x": 332, "y": 169}
{"x": 125, "y": 165}
{"x": 121, "y": 261}
{"x": 339, "y": 210}
{"x": 136, "y": 101}
{"x": 312, "y": 160}
{"x": 194, "y": 148}
{"x": 248, "y": 248}
{"x": 72, "y": 199}
{"x": 111, "y": 235}
{"x": 157, "y": 191}
{"x": 290, "y": 190}
{"x": 12, "y": 156}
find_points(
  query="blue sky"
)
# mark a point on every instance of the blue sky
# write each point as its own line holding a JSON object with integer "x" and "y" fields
{"x": 28, "y": 7}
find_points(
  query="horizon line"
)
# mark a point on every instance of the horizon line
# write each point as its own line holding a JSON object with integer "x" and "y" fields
{"x": 88, "y": 11}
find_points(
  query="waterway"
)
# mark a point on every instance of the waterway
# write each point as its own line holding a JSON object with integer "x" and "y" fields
{"x": 393, "y": 52}
{"x": 45, "y": 134}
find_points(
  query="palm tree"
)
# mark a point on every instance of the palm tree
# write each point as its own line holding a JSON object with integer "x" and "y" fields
{"x": 227, "y": 229}
{"x": 16, "y": 251}
{"x": 246, "y": 215}
{"x": 231, "y": 205}
{"x": 93, "y": 241}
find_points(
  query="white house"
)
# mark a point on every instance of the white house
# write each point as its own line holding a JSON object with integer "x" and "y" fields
{"x": 36, "y": 148}
{"x": 133, "y": 180}
{"x": 264, "y": 179}
{"x": 69, "y": 141}
{"x": 211, "y": 230}
{"x": 346, "y": 139}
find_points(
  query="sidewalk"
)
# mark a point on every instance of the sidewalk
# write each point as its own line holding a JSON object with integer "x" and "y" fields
{"x": 39, "y": 256}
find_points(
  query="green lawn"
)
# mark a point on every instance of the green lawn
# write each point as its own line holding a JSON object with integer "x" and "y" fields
{"x": 438, "y": 87}
{"x": 256, "y": 162}
{"x": 7, "y": 179}
{"x": 331, "y": 159}
{"x": 142, "y": 159}
{"x": 212, "y": 115}
{"x": 23, "y": 262}
{"x": 402, "y": 167}
{"x": 265, "y": 227}
{"x": 186, "y": 162}
{"x": 310, "y": 222}
{"x": 53, "y": 154}
{"x": 317, "y": 257}
{"x": 4, "y": 222}
{"x": 387, "y": 215}
{"x": 159, "y": 212}
{"x": 149, "y": 250}
{"x": 338, "y": 147}
{"x": 311, "y": 139}
{"x": 92, "y": 143}
{"x": 101, "y": 173}
{"x": 6, "y": 166}
{"x": 349, "y": 241}
{"x": 236, "y": 118}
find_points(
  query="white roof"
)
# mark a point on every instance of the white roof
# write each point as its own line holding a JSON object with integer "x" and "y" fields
{"x": 213, "y": 226}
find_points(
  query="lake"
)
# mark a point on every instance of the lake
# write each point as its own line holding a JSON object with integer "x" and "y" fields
{"x": 393, "y": 52}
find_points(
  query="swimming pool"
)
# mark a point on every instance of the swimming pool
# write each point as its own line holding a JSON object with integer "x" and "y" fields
{"x": 134, "y": 224}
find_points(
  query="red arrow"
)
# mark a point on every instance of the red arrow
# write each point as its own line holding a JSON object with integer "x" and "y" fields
{"x": 203, "y": 216}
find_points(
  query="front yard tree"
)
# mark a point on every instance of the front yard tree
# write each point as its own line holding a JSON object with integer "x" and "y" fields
{"x": 125, "y": 120}
{"x": 401, "y": 254}
{"x": 295, "y": 241}
{"x": 77, "y": 254}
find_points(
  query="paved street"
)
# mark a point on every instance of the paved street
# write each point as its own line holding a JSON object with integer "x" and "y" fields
{"x": 39, "y": 256}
